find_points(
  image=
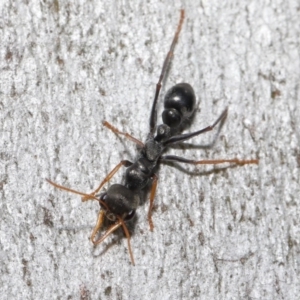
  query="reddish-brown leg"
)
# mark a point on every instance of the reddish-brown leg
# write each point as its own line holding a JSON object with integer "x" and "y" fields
{"x": 76, "y": 192}
{"x": 128, "y": 239}
{"x": 127, "y": 135}
{"x": 97, "y": 227}
{"x": 221, "y": 161}
{"x": 208, "y": 161}
{"x": 152, "y": 195}
{"x": 109, "y": 231}
{"x": 125, "y": 163}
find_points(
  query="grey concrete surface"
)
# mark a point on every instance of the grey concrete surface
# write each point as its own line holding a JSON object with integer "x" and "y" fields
{"x": 220, "y": 232}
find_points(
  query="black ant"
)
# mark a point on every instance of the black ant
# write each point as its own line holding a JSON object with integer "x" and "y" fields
{"x": 120, "y": 202}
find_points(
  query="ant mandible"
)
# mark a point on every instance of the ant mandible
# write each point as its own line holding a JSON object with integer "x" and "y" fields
{"x": 120, "y": 201}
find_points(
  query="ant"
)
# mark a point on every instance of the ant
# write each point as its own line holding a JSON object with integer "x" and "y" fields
{"x": 119, "y": 203}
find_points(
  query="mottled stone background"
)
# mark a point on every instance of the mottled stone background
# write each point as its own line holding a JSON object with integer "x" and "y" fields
{"x": 220, "y": 232}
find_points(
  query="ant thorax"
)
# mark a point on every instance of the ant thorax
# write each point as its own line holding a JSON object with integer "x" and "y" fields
{"x": 152, "y": 150}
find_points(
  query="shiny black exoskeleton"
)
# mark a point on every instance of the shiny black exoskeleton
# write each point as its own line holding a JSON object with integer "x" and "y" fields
{"x": 120, "y": 201}
{"x": 179, "y": 106}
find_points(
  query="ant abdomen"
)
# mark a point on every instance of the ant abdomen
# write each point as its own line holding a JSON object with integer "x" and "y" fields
{"x": 179, "y": 104}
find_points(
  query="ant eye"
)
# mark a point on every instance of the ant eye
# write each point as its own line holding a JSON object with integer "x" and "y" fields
{"x": 130, "y": 215}
{"x": 103, "y": 198}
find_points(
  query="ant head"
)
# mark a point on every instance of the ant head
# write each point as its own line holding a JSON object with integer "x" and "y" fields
{"x": 120, "y": 201}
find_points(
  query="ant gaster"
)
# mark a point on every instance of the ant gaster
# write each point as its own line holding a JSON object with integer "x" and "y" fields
{"x": 120, "y": 202}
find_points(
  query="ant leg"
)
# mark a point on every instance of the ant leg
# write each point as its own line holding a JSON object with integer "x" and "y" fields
{"x": 97, "y": 227}
{"x": 76, "y": 192}
{"x": 186, "y": 136}
{"x": 109, "y": 231}
{"x": 128, "y": 239}
{"x": 152, "y": 195}
{"x": 215, "y": 138}
{"x": 125, "y": 163}
{"x": 153, "y": 116}
{"x": 127, "y": 135}
{"x": 207, "y": 162}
